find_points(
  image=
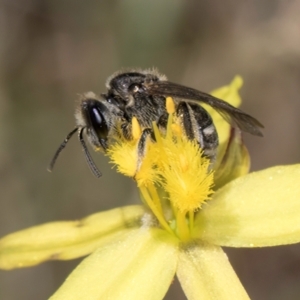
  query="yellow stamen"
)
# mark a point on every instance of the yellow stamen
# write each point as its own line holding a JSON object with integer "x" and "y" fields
{"x": 182, "y": 227}
{"x": 136, "y": 128}
{"x": 170, "y": 105}
{"x": 155, "y": 197}
{"x": 185, "y": 174}
{"x": 155, "y": 210}
{"x": 124, "y": 156}
{"x": 172, "y": 169}
{"x": 191, "y": 219}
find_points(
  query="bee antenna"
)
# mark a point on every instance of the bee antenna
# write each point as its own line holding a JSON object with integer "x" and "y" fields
{"x": 88, "y": 157}
{"x": 60, "y": 148}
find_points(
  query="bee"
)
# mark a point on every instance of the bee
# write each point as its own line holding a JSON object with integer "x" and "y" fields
{"x": 142, "y": 94}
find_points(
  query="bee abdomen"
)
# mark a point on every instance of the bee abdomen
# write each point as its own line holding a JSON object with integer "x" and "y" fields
{"x": 198, "y": 125}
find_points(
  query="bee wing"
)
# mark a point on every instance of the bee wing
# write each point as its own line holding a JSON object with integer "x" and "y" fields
{"x": 231, "y": 114}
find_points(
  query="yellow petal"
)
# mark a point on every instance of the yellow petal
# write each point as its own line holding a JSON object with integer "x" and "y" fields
{"x": 230, "y": 94}
{"x": 139, "y": 266}
{"x": 235, "y": 162}
{"x": 256, "y": 210}
{"x": 205, "y": 273}
{"x": 67, "y": 239}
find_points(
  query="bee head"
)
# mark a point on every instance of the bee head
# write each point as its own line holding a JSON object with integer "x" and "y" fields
{"x": 95, "y": 117}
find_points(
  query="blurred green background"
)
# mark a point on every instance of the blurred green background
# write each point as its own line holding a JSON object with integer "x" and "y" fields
{"x": 51, "y": 50}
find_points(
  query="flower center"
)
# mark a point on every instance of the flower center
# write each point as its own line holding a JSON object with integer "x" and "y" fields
{"x": 173, "y": 175}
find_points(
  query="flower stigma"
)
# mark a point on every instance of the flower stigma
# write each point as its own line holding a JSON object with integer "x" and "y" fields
{"x": 173, "y": 176}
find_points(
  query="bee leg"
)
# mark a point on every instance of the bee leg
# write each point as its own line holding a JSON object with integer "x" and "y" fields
{"x": 162, "y": 122}
{"x": 126, "y": 131}
{"x": 198, "y": 125}
{"x": 142, "y": 145}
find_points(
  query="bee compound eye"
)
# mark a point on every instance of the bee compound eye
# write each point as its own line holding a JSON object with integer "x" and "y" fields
{"x": 99, "y": 123}
{"x": 98, "y": 118}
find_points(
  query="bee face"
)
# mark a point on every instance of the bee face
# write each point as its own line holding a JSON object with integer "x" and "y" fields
{"x": 98, "y": 117}
{"x": 142, "y": 95}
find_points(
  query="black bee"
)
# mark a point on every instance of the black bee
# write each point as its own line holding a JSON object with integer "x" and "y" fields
{"x": 142, "y": 94}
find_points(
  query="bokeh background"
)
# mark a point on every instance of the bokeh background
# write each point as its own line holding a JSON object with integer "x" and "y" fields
{"x": 50, "y": 51}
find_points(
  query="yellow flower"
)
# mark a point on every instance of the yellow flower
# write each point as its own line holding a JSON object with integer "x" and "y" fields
{"x": 190, "y": 210}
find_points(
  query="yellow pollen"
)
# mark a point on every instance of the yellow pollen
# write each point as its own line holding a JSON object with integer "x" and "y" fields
{"x": 136, "y": 128}
{"x": 186, "y": 175}
{"x": 183, "y": 162}
{"x": 124, "y": 156}
{"x": 177, "y": 131}
{"x": 170, "y": 106}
